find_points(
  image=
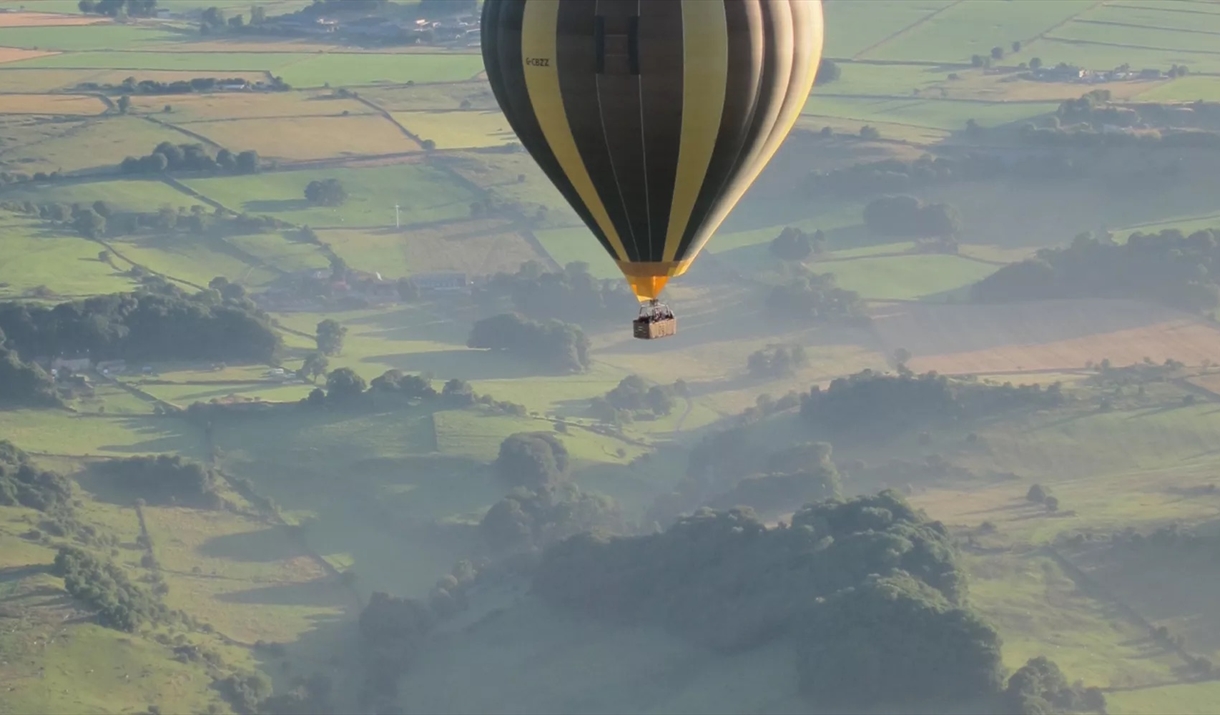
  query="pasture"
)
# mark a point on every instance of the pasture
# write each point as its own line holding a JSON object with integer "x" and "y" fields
{"x": 125, "y": 194}
{"x": 359, "y": 69}
{"x": 905, "y": 277}
{"x": 67, "y": 265}
{"x": 424, "y": 194}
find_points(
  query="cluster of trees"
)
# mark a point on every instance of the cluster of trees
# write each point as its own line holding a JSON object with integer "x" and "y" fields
{"x": 24, "y": 384}
{"x": 23, "y": 483}
{"x": 1086, "y": 137}
{"x": 633, "y": 396}
{"x": 393, "y": 387}
{"x": 325, "y": 192}
{"x": 800, "y": 474}
{"x": 166, "y": 325}
{"x": 876, "y": 606}
{"x": 101, "y": 219}
{"x": 908, "y": 216}
{"x": 391, "y": 632}
{"x": 190, "y": 157}
{"x": 872, "y": 404}
{"x": 529, "y": 520}
{"x": 1167, "y": 267}
{"x": 728, "y": 469}
{"x": 165, "y": 479}
{"x": 572, "y": 295}
{"x": 118, "y": 8}
{"x": 815, "y": 297}
{"x": 828, "y": 71}
{"x": 103, "y": 585}
{"x": 552, "y": 343}
{"x": 776, "y": 361}
{"x": 532, "y": 460}
{"x": 793, "y": 244}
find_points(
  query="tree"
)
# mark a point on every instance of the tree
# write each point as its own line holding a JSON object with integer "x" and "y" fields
{"x": 901, "y": 356}
{"x": 997, "y": 53}
{"x": 344, "y": 385}
{"x": 124, "y": 104}
{"x": 248, "y": 162}
{"x": 1035, "y": 63}
{"x": 531, "y": 460}
{"x": 329, "y": 337}
{"x": 1016, "y": 46}
{"x": 828, "y": 72}
{"x": 258, "y": 15}
{"x": 1036, "y": 494}
{"x": 314, "y": 366}
{"x": 327, "y": 192}
{"x": 869, "y": 133}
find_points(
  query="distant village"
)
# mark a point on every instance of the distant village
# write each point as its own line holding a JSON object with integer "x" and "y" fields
{"x": 1070, "y": 73}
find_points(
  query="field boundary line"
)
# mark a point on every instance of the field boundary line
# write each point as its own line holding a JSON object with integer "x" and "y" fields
{"x": 1090, "y": 587}
{"x": 908, "y": 28}
{"x": 1115, "y": 23}
{"x": 166, "y": 276}
{"x": 1061, "y": 23}
{"x": 1162, "y": 8}
{"x": 174, "y": 127}
{"x": 1100, "y": 43}
{"x": 179, "y": 186}
{"x": 385, "y": 114}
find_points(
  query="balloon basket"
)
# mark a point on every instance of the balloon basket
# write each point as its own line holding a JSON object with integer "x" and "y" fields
{"x": 655, "y": 321}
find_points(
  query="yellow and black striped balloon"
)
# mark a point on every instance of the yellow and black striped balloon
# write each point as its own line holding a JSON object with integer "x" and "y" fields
{"x": 652, "y": 117}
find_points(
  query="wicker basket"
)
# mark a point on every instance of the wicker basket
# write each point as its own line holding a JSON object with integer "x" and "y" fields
{"x": 646, "y": 330}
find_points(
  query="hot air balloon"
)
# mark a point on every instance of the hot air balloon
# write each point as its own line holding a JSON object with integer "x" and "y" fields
{"x": 652, "y": 117}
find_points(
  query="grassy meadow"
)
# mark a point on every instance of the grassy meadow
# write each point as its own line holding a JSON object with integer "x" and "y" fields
{"x": 393, "y": 495}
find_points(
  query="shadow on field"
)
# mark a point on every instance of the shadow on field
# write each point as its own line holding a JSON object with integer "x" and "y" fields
{"x": 465, "y": 363}
{"x": 266, "y": 546}
{"x": 319, "y": 593}
{"x": 275, "y": 205}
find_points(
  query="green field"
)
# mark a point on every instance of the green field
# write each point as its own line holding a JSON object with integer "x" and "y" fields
{"x": 130, "y": 194}
{"x": 351, "y": 70}
{"x": 68, "y": 263}
{"x": 905, "y": 277}
{"x": 424, "y": 195}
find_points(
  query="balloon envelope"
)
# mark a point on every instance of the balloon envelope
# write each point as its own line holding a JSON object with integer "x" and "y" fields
{"x": 652, "y": 117}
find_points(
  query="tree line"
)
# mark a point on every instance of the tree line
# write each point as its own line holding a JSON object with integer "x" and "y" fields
{"x": 118, "y": 8}
{"x": 165, "y": 479}
{"x": 633, "y": 398}
{"x": 165, "y": 325}
{"x": 571, "y": 295}
{"x": 1168, "y": 267}
{"x": 24, "y": 384}
{"x": 168, "y": 156}
{"x": 102, "y": 584}
{"x": 872, "y": 405}
{"x": 815, "y": 297}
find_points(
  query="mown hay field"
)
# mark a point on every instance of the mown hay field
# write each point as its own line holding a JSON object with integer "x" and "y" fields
{"x": 51, "y": 104}
{"x": 47, "y": 19}
{"x": 459, "y": 129}
{"x": 1047, "y": 335}
{"x": 193, "y": 108}
{"x": 308, "y": 138}
{"x": 92, "y": 143}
